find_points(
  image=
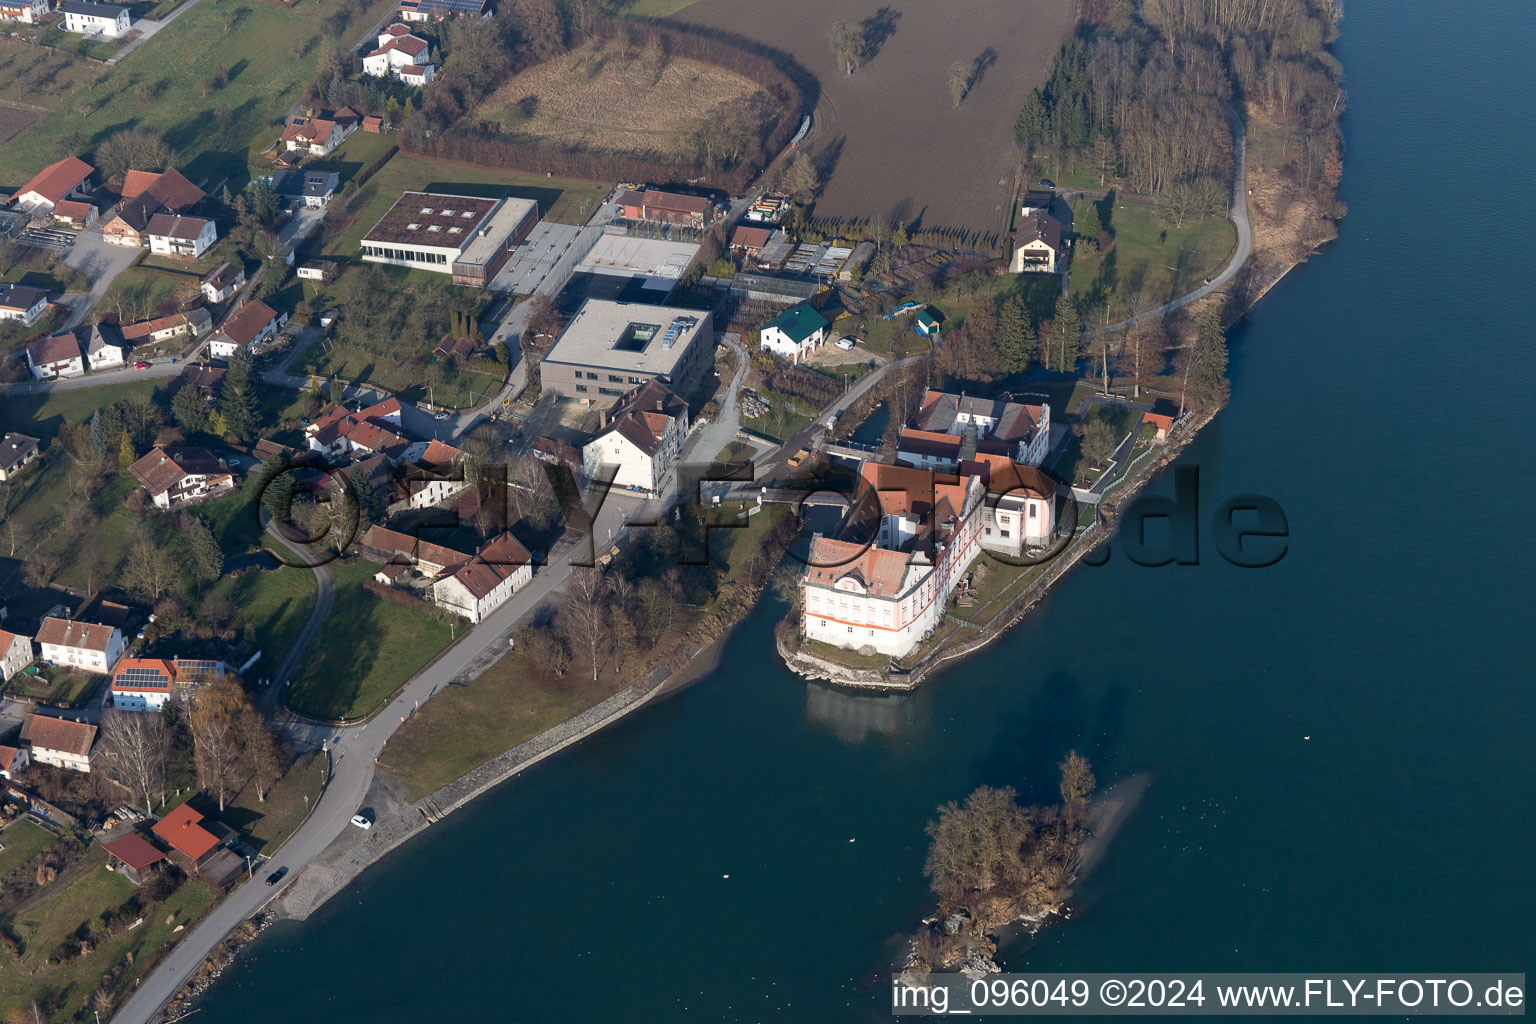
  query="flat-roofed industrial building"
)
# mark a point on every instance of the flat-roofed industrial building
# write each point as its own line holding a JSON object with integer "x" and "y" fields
{"x": 466, "y": 236}
{"x": 610, "y": 347}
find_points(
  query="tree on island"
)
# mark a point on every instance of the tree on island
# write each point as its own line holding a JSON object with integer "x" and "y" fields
{"x": 849, "y": 45}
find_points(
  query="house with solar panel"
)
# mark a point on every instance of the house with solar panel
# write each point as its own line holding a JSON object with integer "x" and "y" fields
{"x": 437, "y": 10}
{"x": 142, "y": 684}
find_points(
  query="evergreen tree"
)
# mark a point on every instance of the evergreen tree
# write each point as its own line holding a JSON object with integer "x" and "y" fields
{"x": 125, "y": 454}
{"x": 1205, "y": 362}
{"x": 370, "y": 507}
{"x": 1066, "y": 336}
{"x": 277, "y": 488}
{"x": 207, "y": 557}
{"x": 98, "y": 436}
{"x": 241, "y": 404}
{"x": 899, "y": 235}
{"x": 1013, "y": 336}
{"x": 189, "y": 410}
{"x": 338, "y": 392}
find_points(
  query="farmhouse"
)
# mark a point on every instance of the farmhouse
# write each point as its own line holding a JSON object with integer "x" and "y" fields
{"x": 28, "y": 12}
{"x": 467, "y": 237}
{"x": 393, "y": 547}
{"x": 164, "y": 328}
{"x": 54, "y": 184}
{"x": 297, "y": 187}
{"x": 146, "y": 194}
{"x": 15, "y": 654}
{"x": 223, "y": 282}
{"x": 176, "y": 475}
{"x": 641, "y": 441}
{"x": 250, "y": 325}
{"x": 794, "y": 333}
{"x": 142, "y": 684}
{"x": 185, "y": 238}
{"x": 610, "y": 347}
{"x": 104, "y": 347}
{"x": 424, "y": 10}
{"x": 59, "y": 742}
{"x": 1037, "y": 244}
{"x": 1023, "y": 430}
{"x": 481, "y": 585}
{"x": 656, "y": 207}
{"x": 22, "y": 302}
{"x": 107, "y": 20}
{"x": 317, "y": 136}
{"x": 56, "y": 356}
{"x": 74, "y": 213}
{"x": 16, "y": 450}
{"x": 133, "y": 857}
{"x": 85, "y": 645}
{"x": 400, "y": 55}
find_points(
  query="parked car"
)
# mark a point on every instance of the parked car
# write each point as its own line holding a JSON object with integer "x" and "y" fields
{"x": 141, "y": 365}
{"x": 1047, "y": 183}
{"x": 847, "y": 343}
{"x": 443, "y": 415}
{"x": 276, "y": 876}
{"x": 361, "y": 822}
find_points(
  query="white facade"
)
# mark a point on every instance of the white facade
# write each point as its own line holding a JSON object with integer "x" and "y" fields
{"x": 15, "y": 654}
{"x": 184, "y": 247}
{"x": 634, "y": 467}
{"x": 457, "y": 597}
{"x": 106, "y": 20}
{"x": 53, "y": 368}
{"x": 106, "y": 356}
{"x": 27, "y": 315}
{"x": 88, "y": 659}
{"x": 129, "y": 699}
{"x": 28, "y": 12}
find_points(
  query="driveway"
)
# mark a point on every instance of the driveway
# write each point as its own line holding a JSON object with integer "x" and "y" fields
{"x": 92, "y": 256}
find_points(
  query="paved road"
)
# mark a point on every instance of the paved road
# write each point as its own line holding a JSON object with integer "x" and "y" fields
{"x": 1239, "y": 217}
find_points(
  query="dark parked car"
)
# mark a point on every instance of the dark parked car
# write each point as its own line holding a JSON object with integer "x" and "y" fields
{"x": 1047, "y": 183}
{"x": 276, "y": 876}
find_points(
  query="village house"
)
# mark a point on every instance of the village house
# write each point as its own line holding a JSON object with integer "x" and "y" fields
{"x": 223, "y": 282}
{"x": 794, "y": 333}
{"x": 337, "y": 431}
{"x": 657, "y": 207}
{"x": 13, "y": 761}
{"x": 28, "y": 12}
{"x": 311, "y": 189}
{"x": 640, "y": 440}
{"x": 247, "y": 327}
{"x": 401, "y": 55}
{"x": 89, "y": 646}
{"x": 164, "y": 328}
{"x": 175, "y": 475}
{"x": 142, "y": 684}
{"x": 16, "y": 451}
{"x": 449, "y": 348}
{"x": 146, "y": 194}
{"x": 941, "y": 426}
{"x": 1037, "y": 242}
{"x": 15, "y": 654}
{"x": 22, "y": 302}
{"x": 69, "y": 177}
{"x": 434, "y": 477}
{"x": 382, "y": 544}
{"x": 200, "y": 841}
{"x": 59, "y": 742}
{"x": 185, "y": 238}
{"x": 133, "y": 857}
{"x": 74, "y": 213}
{"x": 56, "y": 356}
{"x": 482, "y": 584}
{"x": 318, "y": 136}
{"x": 92, "y": 19}
{"x": 105, "y": 347}
{"x": 323, "y": 271}
{"x": 208, "y": 381}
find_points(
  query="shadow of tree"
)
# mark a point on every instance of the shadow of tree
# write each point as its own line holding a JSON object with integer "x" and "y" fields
{"x": 878, "y": 29}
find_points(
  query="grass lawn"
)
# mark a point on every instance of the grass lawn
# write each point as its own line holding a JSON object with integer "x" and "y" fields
{"x": 23, "y": 840}
{"x": 1152, "y": 254}
{"x": 645, "y": 10}
{"x": 361, "y": 149}
{"x": 851, "y": 659}
{"x": 43, "y": 926}
{"x": 46, "y": 78}
{"x": 276, "y": 603}
{"x": 787, "y": 415}
{"x": 352, "y": 364}
{"x": 464, "y": 726}
{"x": 265, "y": 824}
{"x": 64, "y": 686}
{"x": 268, "y": 53}
{"x": 367, "y": 648}
{"x": 42, "y": 415}
{"x": 145, "y": 291}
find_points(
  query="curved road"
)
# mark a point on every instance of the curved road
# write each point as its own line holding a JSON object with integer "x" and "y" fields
{"x": 1239, "y": 218}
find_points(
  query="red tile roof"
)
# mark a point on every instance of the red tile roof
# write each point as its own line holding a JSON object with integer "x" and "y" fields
{"x": 134, "y": 850}
{"x": 72, "y": 209}
{"x": 246, "y": 322}
{"x": 58, "y": 180}
{"x": 56, "y": 349}
{"x": 58, "y": 734}
{"x": 90, "y": 636}
{"x": 141, "y": 680}
{"x": 879, "y": 571}
{"x": 180, "y": 828}
{"x": 165, "y": 466}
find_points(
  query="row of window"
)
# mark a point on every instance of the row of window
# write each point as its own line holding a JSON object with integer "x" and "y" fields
{"x": 407, "y": 255}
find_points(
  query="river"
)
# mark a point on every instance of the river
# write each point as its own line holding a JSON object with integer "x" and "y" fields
{"x": 1337, "y": 744}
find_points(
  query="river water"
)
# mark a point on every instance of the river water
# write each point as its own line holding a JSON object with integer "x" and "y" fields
{"x": 1339, "y": 745}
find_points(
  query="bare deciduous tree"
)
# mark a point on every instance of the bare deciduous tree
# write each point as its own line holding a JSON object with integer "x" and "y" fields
{"x": 215, "y": 717}
{"x": 135, "y": 748}
{"x": 584, "y": 615}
